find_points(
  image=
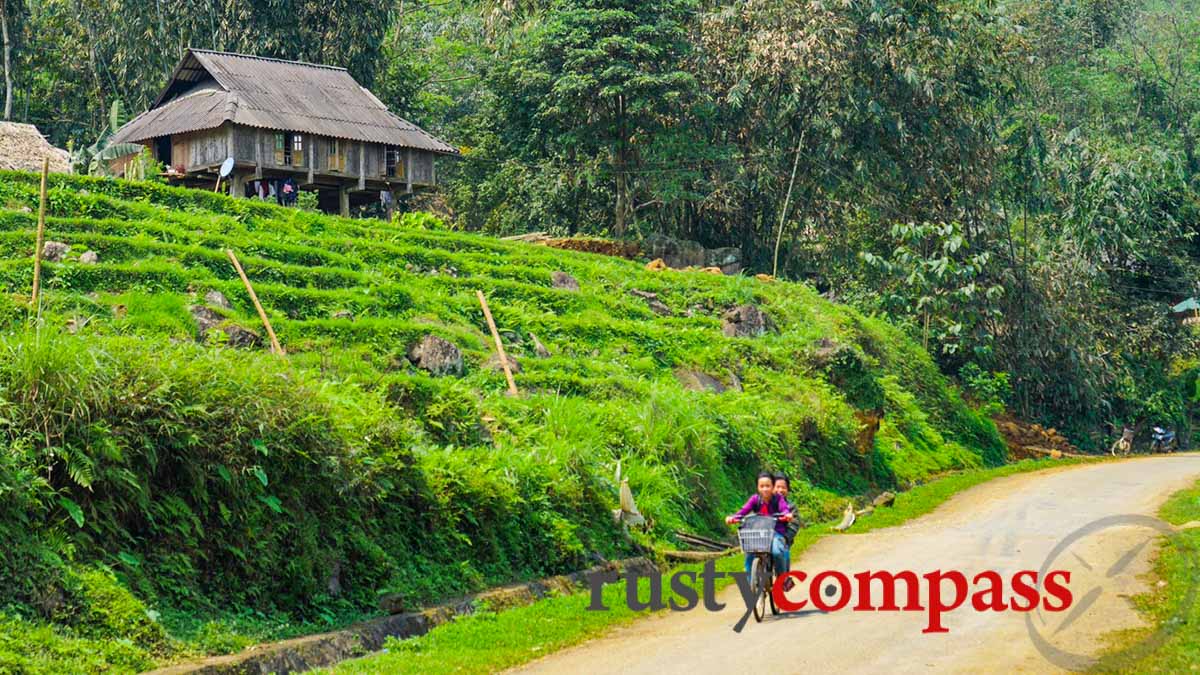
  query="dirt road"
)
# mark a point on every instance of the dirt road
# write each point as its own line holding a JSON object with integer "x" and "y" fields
{"x": 1006, "y": 525}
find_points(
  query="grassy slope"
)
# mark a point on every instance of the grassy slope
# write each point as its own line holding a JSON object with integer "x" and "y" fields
{"x": 1167, "y": 606}
{"x": 208, "y": 478}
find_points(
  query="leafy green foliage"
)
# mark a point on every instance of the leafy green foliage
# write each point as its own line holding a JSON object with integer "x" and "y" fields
{"x": 1055, "y": 138}
{"x": 598, "y": 80}
{"x": 208, "y": 477}
{"x": 89, "y": 55}
{"x": 990, "y": 390}
{"x": 941, "y": 284}
{"x": 41, "y": 649}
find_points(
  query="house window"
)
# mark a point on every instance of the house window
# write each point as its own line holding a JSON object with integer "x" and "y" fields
{"x": 297, "y": 150}
{"x": 393, "y": 163}
{"x": 336, "y": 158}
{"x": 289, "y": 149}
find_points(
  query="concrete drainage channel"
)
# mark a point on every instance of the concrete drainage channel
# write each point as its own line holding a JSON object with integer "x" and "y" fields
{"x": 326, "y": 649}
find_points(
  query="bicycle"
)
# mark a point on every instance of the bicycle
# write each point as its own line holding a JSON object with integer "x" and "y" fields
{"x": 1123, "y": 445}
{"x": 756, "y": 535}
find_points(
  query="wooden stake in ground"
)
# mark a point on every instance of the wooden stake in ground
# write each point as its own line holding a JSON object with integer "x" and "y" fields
{"x": 275, "y": 348}
{"x": 487, "y": 314}
{"x": 40, "y": 240}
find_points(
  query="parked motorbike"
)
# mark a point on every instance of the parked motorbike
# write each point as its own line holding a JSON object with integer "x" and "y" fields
{"x": 1163, "y": 440}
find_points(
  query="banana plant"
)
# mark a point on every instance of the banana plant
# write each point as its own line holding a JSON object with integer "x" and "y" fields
{"x": 97, "y": 157}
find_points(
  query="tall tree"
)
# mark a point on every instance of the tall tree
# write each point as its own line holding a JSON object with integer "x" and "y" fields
{"x": 11, "y": 14}
{"x": 603, "y": 78}
{"x": 7, "y": 60}
{"x": 125, "y": 49}
{"x": 1163, "y": 50}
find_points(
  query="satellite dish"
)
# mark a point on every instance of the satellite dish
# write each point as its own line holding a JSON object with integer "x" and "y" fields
{"x": 227, "y": 167}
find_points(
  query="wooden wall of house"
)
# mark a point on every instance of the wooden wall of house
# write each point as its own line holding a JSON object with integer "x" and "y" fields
{"x": 244, "y": 141}
{"x": 250, "y": 145}
{"x": 179, "y": 151}
{"x": 209, "y": 147}
{"x": 422, "y": 168}
{"x": 316, "y": 152}
{"x": 200, "y": 148}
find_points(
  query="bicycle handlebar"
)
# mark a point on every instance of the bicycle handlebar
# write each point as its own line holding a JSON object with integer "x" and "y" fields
{"x": 775, "y": 516}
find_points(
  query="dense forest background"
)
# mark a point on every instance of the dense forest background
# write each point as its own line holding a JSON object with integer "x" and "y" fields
{"x": 1012, "y": 181}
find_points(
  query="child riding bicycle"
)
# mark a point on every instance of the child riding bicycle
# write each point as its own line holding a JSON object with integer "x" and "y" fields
{"x": 767, "y": 502}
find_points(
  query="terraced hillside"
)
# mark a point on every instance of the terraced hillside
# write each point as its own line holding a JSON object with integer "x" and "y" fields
{"x": 148, "y": 467}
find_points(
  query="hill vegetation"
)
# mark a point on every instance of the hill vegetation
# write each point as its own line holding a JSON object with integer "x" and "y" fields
{"x": 148, "y": 468}
{"x": 998, "y": 193}
{"x": 1013, "y": 183}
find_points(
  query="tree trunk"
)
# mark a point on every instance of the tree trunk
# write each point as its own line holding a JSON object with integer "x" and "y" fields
{"x": 622, "y": 185}
{"x": 622, "y": 188}
{"x": 7, "y": 60}
{"x": 786, "y": 201}
{"x": 1189, "y": 149}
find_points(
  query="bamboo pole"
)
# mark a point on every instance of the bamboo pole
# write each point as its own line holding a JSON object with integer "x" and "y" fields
{"x": 262, "y": 314}
{"x": 786, "y": 201}
{"x": 40, "y": 240}
{"x": 487, "y": 313}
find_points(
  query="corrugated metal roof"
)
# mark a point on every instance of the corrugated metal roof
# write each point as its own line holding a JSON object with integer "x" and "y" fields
{"x": 273, "y": 94}
{"x": 1189, "y": 305}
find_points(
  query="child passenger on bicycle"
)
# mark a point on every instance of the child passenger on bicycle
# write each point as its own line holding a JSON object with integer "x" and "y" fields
{"x": 783, "y": 486}
{"x": 766, "y": 502}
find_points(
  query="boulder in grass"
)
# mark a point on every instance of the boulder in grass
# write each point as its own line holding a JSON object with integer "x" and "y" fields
{"x": 89, "y": 258}
{"x": 436, "y": 356}
{"x": 675, "y": 253}
{"x": 887, "y": 498}
{"x": 658, "y": 308}
{"x": 206, "y": 319}
{"x": 725, "y": 258}
{"x": 242, "y": 337}
{"x": 54, "y": 251}
{"x": 209, "y": 320}
{"x": 493, "y": 363}
{"x": 652, "y": 301}
{"x": 695, "y": 380}
{"x": 539, "y": 348}
{"x": 217, "y": 299}
{"x": 563, "y": 281}
{"x": 746, "y": 321}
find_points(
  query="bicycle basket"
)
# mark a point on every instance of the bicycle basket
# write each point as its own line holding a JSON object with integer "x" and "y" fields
{"x": 756, "y": 535}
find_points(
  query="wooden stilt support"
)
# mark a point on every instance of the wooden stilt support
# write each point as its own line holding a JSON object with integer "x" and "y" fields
{"x": 487, "y": 314}
{"x": 262, "y": 314}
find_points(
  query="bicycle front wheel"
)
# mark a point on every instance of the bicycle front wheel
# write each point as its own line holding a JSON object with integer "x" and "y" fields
{"x": 757, "y": 570}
